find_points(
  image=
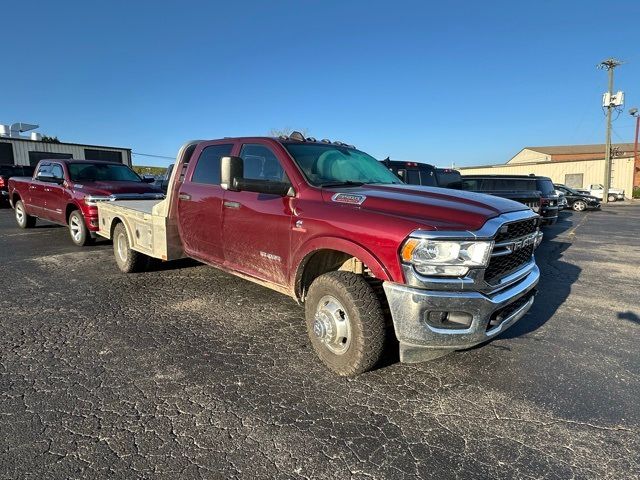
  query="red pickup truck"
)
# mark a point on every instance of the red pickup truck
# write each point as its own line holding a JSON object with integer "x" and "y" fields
{"x": 332, "y": 227}
{"x": 66, "y": 192}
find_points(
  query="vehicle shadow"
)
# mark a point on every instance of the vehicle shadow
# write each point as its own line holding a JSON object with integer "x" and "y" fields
{"x": 628, "y": 315}
{"x": 556, "y": 279}
{"x": 156, "y": 265}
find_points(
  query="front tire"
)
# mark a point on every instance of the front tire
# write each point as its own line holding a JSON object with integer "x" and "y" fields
{"x": 612, "y": 198}
{"x": 22, "y": 218}
{"x": 345, "y": 322}
{"x": 128, "y": 260}
{"x": 78, "y": 230}
{"x": 579, "y": 206}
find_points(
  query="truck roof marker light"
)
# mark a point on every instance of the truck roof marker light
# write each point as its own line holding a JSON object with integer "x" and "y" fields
{"x": 408, "y": 248}
{"x": 295, "y": 135}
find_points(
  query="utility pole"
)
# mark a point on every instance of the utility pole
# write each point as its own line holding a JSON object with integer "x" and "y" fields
{"x": 636, "y": 164}
{"x": 609, "y": 65}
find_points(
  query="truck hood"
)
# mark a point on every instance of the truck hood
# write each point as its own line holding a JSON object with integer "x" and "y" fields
{"x": 109, "y": 188}
{"x": 435, "y": 208}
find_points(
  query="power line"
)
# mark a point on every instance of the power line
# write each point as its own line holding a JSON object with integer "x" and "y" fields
{"x": 152, "y": 155}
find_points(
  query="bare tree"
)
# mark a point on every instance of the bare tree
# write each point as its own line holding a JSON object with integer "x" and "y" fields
{"x": 286, "y": 131}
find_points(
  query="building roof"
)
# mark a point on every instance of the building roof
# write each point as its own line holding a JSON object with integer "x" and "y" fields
{"x": 598, "y": 148}
{"x": 16, "y": 139}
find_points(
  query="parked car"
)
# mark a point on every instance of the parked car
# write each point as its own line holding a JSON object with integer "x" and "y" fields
{"x": 562, "y": 200}
{"x": 416, "y": 173}
{"x": 522, "y": 184}
{"x": 8, "y": 171}
{"x": 597, "y": 189}
{"x": 333, "y": 228}
{"x": 67, "y": 191}
{"x": 576, "y": 200}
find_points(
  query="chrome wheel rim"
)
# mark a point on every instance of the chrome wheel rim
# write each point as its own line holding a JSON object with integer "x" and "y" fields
{"x": 331, "y": 325}
{"x": 19, "y": 214}
{"x": 121, "y": 245}
{"x": 75, "y": 228}
{"x": 579, "y": 206}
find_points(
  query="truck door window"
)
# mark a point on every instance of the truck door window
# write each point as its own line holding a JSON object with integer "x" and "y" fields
{"x": 260, "y": 163}
{"x": 56, "y": 171}
{"x": 208, "y": 166}
{"x": 44, "y": 168}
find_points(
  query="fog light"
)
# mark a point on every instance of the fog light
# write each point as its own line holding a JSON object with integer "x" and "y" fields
{"x": 450, "y": 320}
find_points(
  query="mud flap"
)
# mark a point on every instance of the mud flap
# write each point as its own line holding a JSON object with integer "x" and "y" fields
{"x": 413, "y": 354}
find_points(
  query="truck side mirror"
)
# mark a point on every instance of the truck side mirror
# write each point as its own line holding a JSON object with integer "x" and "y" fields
{"x": 231, "y": 170}
{"x": 47, "y": 177}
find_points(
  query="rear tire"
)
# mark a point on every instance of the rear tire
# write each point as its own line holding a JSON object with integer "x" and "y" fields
{"x": 24, "y": 220}
{"x": 579, "y": 206}
{"x": 78, "y": 230}
{"x": 612, "y": 198}
{"x": 128, "y": 260}
{"x": 345, "y": 322}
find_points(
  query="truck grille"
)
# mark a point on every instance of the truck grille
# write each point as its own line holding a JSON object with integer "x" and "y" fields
{"x": 502, "y": 265}
{"x": 517, "y": 229}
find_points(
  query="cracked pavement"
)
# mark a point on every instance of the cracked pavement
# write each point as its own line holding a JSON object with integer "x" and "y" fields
{"x": 188, "y": 372}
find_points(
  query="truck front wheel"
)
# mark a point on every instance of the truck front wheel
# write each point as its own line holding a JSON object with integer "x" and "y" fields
{"x": 24, "y": 220}
{"x": 78, "y": 229}
{"x": 128, "y": 260}
{"x": 345, "y": 322}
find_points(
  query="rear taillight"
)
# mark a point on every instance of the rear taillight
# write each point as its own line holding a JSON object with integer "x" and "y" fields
{"x": 2, "y": 184}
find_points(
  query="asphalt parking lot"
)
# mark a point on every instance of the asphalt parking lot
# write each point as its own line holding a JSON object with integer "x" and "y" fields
{"x": 187, "y": 372}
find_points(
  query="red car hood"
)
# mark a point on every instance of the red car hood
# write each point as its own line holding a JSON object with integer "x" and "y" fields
{"x": 108, "y": 188}
{"x": 437, "y": 208}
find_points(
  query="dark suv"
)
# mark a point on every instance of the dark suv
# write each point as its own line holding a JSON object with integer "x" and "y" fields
{"x": 415, "y": 173}
{"x": 494, "y": 184}
{"x": 424, "y": 174}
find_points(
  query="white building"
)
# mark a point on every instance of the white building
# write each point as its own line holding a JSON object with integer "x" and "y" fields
{"x": 576, "y": 166}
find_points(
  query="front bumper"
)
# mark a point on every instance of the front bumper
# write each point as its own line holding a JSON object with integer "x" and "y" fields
{"x": 420, "y": 340}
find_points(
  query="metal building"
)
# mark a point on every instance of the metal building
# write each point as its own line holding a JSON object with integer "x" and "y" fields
{"x": 576, "y": 166}
{"x": 16, "y": 149}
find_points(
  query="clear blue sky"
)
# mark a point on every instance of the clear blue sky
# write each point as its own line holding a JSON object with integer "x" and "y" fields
{"x": 464, "y": 81}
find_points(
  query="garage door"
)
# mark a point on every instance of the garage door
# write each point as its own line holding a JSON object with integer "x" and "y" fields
{"x": 573, "y": 180}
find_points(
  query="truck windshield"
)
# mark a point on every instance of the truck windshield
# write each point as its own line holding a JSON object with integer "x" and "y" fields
{"x": 101, "y": 172}
{"x": 335, "y": 165}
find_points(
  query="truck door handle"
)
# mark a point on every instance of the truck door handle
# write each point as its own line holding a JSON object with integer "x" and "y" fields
{"x": 228, "y": 204}
{"x": 184, "y": 196}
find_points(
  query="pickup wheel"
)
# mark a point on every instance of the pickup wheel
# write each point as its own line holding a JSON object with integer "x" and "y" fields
{"x": 128, "y": 260}
{"x": 345, "y": 322}
{"x": 24, "y": 220}
{"x": 612, "y": 198}
{"x": 78, "y": 229}
{"x": 579, "y": 206}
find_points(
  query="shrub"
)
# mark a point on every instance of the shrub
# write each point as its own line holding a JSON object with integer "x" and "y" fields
{"x": 636, "y": 192}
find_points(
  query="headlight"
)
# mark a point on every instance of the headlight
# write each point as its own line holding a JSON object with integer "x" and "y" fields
{"x": 450, "y": 258}
{"x": 92, "y": 200}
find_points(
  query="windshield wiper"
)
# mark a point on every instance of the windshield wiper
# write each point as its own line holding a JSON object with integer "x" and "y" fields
{"x": 347, "y": 183}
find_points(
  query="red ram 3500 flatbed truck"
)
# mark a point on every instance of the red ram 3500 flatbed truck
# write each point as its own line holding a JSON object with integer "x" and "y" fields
{"x": 67, "y": 191}
{"x": 330, "y": 226}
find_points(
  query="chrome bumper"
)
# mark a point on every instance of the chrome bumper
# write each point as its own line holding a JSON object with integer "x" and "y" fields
{"x": 421, "y": 341}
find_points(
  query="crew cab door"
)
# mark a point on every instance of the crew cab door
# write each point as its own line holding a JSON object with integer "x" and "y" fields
{"x": 53, "y": 196}
{"x": 200, "y": 204}
{"x": 257, "y": 226}
{"x": 34, "y": 200}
